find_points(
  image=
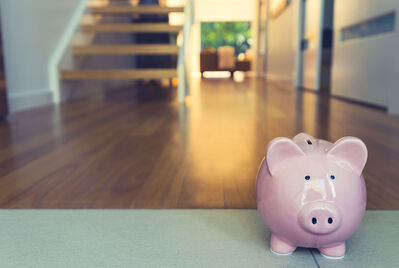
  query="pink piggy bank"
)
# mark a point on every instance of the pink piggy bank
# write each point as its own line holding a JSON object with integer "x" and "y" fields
{"x": 311, "y": 193}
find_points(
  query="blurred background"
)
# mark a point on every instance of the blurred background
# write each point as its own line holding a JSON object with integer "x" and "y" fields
{"x": 171, "y": 103}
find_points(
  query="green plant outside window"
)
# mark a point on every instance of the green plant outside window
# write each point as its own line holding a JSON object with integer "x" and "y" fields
{"x": 236, "y": 34}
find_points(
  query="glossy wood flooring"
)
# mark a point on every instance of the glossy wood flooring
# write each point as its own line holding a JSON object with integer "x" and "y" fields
{"x": 128, "y": 151}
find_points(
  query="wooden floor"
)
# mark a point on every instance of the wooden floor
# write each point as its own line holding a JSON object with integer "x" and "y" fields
{"x": 127, "y": 151}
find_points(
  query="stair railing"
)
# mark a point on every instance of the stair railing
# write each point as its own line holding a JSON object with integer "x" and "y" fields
{"x": 183, "y": 61}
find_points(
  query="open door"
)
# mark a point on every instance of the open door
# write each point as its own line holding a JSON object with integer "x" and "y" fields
{"x": 314, "y": 47}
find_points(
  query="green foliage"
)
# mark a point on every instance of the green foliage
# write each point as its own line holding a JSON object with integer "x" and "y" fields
{"x": 236, "y": 34}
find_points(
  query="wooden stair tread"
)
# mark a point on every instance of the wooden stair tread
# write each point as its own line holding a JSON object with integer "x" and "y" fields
{"x": 127, "y": 27}
{"x": 102, "y": 3}
{"x": 126, "y": 9}
{"x": 118, "y": 74}
{"x": 148, "y": 49}
{"x": 80, "y": 39}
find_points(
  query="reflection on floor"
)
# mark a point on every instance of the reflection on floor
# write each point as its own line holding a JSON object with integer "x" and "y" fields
{"x": 130, "y": 151}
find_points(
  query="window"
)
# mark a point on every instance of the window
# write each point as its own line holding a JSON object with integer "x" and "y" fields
{"x": 235, "y": 34}
{"x": 379, "y": 25}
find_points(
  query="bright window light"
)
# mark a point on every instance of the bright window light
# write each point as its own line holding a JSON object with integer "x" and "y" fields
{"x": 217, "y": 74}
{"x": 239, "y": 76}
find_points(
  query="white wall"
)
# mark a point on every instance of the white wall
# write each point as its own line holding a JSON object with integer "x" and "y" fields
{"x": 32, "y": 32}
{"x": 393, "y": 95}
{"x": 366, "y": 69}
{"x": 224, "y": 10}
{"x": 282, "y": 42}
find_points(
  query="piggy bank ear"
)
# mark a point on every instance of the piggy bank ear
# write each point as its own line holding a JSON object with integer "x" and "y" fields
{"x": 280, "y": 150}
{"x": 350, "y": 153}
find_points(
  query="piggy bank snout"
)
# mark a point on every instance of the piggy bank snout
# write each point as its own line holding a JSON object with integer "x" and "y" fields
{"x": 319, "y": 218}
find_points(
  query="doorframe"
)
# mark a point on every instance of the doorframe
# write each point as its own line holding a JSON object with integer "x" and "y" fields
{"x": 320, "y": 46}
{"x": 298, "y": 81}
{"x": 299, "y": 57}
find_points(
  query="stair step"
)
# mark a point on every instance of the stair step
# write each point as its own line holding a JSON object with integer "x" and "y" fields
{"x": 127, "y": 27}
{"x": 149, "y": 49}
{"x": 125, "y": 9}
{"x": 118, "y": 74}
{"x": 80, "y": 39}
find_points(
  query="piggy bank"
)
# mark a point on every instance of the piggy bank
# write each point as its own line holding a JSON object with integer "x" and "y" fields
{"x": 311, "y": 193}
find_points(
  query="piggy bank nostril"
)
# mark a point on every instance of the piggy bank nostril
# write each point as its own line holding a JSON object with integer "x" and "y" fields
{"x": 330, "y": 220}
{"x": 314, "y": 220}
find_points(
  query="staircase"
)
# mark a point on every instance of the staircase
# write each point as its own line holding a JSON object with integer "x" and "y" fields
{"x": 96, "y": 21}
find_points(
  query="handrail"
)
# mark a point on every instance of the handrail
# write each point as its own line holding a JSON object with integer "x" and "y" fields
{"x": 183, "y": 58}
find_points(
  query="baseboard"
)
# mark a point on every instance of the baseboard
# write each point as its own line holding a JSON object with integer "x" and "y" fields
{"x": 29, "y": 99}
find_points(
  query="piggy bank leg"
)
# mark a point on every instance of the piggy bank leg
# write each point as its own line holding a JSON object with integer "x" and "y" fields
{"x": 335, "y": 252}
{"x": 280, "y": 247}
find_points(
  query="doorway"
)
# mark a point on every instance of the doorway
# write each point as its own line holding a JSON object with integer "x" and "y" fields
{"x": 314, "y": 50}
{"x": 225, "y": 47}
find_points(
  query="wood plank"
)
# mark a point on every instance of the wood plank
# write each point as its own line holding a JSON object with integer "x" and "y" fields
{"x": 82, "y": 39}
{"x": 121, "y": 9}
{"x": 103, "y": 3}
{"x": 115, "y": 74}
{"x": 125, "y": 151}
{"x": 148, "y": 49}
{"x": 91, "y": 18}
{"x": 125, "y": 27}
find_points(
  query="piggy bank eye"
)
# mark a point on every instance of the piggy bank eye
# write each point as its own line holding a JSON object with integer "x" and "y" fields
{"x": 332, "y": 177}
{"x": 307, "y": 177}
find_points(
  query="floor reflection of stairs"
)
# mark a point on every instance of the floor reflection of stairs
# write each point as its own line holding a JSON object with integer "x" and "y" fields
{"x": 98, "y": 22}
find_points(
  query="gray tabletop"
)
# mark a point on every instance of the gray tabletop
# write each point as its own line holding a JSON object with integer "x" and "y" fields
{"x": 174, "y": 238}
